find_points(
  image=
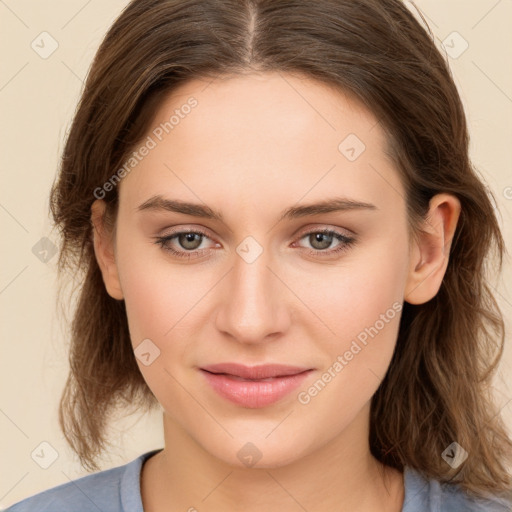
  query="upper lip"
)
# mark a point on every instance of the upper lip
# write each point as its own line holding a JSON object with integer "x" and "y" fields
{"x": 262, "y": 371}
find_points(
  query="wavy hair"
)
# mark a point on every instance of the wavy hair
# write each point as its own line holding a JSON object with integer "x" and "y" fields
{"x": 438, "y": 388}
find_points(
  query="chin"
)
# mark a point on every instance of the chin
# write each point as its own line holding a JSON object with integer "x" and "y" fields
{"x": 255, "y": 452}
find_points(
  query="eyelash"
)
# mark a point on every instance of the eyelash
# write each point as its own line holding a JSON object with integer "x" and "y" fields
{"x": 346, "y": 242}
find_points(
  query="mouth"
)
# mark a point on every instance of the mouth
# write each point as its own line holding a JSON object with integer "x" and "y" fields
{"x": 259, "y": 372}
{"x": 254, "y": 386}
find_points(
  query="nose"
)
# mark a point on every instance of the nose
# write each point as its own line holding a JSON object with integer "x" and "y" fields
{"x": 252, "y": 303}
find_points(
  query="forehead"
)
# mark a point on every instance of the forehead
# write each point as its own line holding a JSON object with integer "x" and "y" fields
{"x": 268, "y": 134}
{"x": 271, "y": 105}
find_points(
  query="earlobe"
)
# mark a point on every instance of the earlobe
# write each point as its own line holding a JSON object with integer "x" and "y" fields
{"x": 104, "y": 250}
{"x": 430, "y": 253}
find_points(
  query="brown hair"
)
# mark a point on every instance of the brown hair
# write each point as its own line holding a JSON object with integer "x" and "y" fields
{"x": 438, "y": 387}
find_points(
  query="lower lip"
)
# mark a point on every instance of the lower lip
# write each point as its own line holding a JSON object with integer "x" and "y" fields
{"x": 254, "y": 393}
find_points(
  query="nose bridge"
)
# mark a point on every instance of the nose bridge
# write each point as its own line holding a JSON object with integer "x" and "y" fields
{"x": 252, "y": 306}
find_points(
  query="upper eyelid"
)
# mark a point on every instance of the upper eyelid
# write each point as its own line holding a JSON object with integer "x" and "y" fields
{"x": 316, "y": 226}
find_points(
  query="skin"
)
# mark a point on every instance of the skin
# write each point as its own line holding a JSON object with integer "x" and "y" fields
{"x": 254, "y": 145}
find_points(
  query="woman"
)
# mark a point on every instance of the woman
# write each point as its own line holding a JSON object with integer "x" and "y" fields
{"x": 282, "y": 240}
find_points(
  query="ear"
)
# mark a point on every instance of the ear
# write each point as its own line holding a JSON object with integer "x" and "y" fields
{"x": 430, "y": 253}
{"x": 103, "y": 239}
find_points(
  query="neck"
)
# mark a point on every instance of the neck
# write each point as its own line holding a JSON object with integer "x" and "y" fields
{"x": 342, "y": 475}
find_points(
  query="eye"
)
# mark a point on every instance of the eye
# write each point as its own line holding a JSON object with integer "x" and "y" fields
{"x": 187, "y": 244}
{"x": 322, "y": 239}
{"x": 189, "y": 241}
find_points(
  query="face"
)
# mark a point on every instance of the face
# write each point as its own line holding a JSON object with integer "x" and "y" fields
{"x": 319, "y": 289}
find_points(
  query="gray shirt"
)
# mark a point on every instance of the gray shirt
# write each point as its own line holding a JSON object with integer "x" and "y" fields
{"x": 118, "y": 490}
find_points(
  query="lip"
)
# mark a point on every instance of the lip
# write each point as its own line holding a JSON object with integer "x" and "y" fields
{"x": 261, "y": 371}
{"x": 254, "y": 386}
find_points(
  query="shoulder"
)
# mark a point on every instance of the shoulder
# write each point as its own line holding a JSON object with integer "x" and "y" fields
{"x": 115, "y": 490}
{"x": 422, "y": 495}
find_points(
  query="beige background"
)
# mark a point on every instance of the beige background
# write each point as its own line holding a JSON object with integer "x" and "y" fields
{"x": 37, "y": 100}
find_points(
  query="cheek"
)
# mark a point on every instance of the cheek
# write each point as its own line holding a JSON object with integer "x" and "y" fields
{"x": 158, "y": 294}
{"x": 352, "y": 294}
{"x": 148, "y": 297}
{"x": 363, "y": 307}
{"x": 159, "y": 299}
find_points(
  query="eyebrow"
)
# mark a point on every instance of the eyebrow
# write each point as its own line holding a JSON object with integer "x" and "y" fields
{"x": 160, "y": 203}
